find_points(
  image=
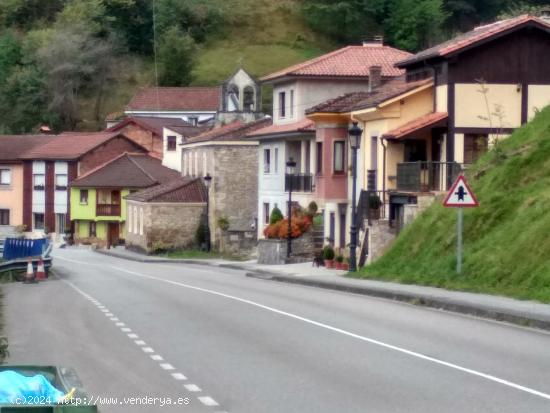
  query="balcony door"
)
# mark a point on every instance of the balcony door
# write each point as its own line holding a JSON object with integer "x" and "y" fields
{"x": 415, "y": 150}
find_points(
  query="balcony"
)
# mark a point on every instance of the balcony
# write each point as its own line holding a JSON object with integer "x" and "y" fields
{"x": 299, "y": 183}
{"x": 107, "y": 210}
{"x": 426, "y": 176}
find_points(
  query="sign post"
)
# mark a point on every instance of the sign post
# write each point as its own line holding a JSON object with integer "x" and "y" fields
{"x": 460, "y": 196}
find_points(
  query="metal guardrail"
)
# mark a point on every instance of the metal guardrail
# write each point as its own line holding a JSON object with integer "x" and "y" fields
{"x": 20, "y": 264}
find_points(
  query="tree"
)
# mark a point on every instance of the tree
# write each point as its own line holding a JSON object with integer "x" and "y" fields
{"x": 10, "y": 55}
{"x": 26, "y": 13}
{"x": 176, "y": 55}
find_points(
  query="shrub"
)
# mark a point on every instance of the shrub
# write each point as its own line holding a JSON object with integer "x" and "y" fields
{"x": 279, "y": 230}
{"x": 328, "y": 253}
{"x": 200, "y": 234}
{"x": 276, "y": 216}
{"x": 3, "y": 349}
{"x": 312, "y": 208}
{"x": 340, "y": 258}
{"x": 374, "y": 201}
{"x": 223, "y": 223}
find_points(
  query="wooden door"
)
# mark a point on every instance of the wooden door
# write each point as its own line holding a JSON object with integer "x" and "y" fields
{"x": 113, "y": 234}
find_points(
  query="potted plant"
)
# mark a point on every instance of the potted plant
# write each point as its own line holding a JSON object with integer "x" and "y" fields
{"x": 328, "y": 256}
{"x": 345, "y": 264}
{"x": 339, "y": 262}
{"x": 374, "y": 206}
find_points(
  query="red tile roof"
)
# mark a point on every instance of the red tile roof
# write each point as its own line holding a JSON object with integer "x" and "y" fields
{"x": 13, "y": 147}
{"x": 127, "y": 171}
{"x": 350, "y": 61}
{"x": 233, "y": 131}
{"x": 186, "y": 189}
{"x": 303, "y": 126}
{"x": 70, "y": 145}
{"x": 156, "y": 124}
{"x": 363, "y": 100}
{"x": 176, "y": 99}
{"x": 473, "y": 37}
{"x": 416, "y": 125}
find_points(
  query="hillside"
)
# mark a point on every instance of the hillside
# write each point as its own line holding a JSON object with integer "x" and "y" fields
{"x": 506, "y": 240}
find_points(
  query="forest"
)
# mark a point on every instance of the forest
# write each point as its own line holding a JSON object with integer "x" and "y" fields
{"x": 68, "y": 63}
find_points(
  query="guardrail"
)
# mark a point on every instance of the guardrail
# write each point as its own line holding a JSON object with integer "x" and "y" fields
{"x": 20, "y": 264}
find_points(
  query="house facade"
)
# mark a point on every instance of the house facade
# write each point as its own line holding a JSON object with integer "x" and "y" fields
{"x": 98, "y": 205}
{"x": 294, "y": 136}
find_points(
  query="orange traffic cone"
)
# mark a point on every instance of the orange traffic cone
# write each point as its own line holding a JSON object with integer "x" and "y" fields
{"x": 29, "y": 277}
{"x": 40, "y": 271}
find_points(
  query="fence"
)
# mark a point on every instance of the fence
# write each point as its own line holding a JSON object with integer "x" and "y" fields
{"x": 426, "y": 176}
{"x": 15, "y": 248}
{"x": 299, "y": 182}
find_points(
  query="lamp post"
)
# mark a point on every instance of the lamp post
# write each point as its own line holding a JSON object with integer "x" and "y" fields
{"x": 207, "y": 183}
{"x": 290, "y": 167}
{"x": 355, "y": 143}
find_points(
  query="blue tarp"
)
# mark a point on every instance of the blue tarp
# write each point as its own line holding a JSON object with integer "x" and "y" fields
{"x": 16, "y": 389}
{"x": 15, "y": 248}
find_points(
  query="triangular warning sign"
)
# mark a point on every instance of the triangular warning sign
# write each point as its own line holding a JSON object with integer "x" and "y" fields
{"x": 460, "y": 195}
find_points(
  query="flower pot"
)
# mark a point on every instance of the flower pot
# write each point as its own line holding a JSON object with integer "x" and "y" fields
{"x": 339, "y": 265}
{"x": 329, "y": 263}
{"x": 345, "y": 266}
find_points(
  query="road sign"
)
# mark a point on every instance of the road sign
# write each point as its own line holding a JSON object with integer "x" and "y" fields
{"x": 460, "y": 195}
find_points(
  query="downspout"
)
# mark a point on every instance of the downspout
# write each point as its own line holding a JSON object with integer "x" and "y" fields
{"x": 382, "y": 139}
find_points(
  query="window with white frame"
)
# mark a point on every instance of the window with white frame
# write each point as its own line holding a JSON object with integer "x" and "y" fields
{"x": 38, "y": 221}
{"x": 5, "y": 176}
{"x": 60, "y": 182}
{"x": 339, "y": 157}
{"x": 39, "y": 182}
{"x": 282, "y": 105}
{"x": 291, "y": 109}
{"x": 276, "y": 160}
{"x": 267, "y": 160}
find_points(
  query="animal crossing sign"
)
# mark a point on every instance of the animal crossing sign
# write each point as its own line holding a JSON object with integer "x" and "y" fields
{"x": 460, "y": 196}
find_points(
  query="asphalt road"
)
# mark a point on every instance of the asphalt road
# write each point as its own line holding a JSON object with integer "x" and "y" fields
{"x": 231, "y": 343}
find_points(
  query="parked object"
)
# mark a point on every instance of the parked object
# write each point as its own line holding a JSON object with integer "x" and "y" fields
{"x": 35, "y": 390}
{"x": 22, "y": 248}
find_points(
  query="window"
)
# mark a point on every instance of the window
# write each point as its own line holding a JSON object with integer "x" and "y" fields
{"x": 38, "y": 221}
{"x": 61, "y": 182}
{"x": 248, "y": 101}
{"x": 267, "y": 161}
{"x": 475, "y": 145}
{"x": 60, "y": 223}
{"x": 282, "y": 104}
{"x": 4, "y": 216}
{"x": 135, "y": 220}
{"x": 92, "y": 229}
{"x": 319, "y": 159}
{"x": 141, "y": 221}
{"x": 193, "y": 120}
{"x": 339, "y": 155}
{"x": 5, "y": 176}
{"x": 38, "y": 182}
{"x": 266, "y": 213}
{"x": 171, "y": 143}
{"x": 129, "y": 220}
{"x": 292, "y": 103}
{"x": 276, "y": 160}
{"x": 84, "y": 196}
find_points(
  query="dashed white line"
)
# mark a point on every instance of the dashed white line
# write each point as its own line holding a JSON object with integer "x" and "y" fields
{"x": 156, "y": 357}
{"x": 147, "y": 350}
{"x": 108, "y": 314}
{"x": 140, "y": 342}
{"x": 126, "y": 329}
{"x": 120, "y": 324}
{"x": 114, "y": 319}
{"x": 133, "y": 336}
{"x": 178, "y": 376}
{"x": 208, "y": 401}
{"x": 192, "y": 387}
{"x": 167, "y": 366}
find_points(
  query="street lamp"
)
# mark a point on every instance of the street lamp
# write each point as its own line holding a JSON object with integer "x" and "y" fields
{"x": 355, "y": 143}
{"x": 290, "y": 168}
{"x": 207, "y": 183}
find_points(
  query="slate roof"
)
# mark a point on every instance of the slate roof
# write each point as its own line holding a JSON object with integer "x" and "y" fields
{"x": 303, "y": 126}
{"x": 183, "y": 189}
{"x": 69, "y": 145}
{"x": 416, "y": 125}
{"x": 234, "y": 131}
{"x": 350, "y": 61}
{"x": 13, "y": 147}
{"x": 363, "y": 100}
{"x": 127, "y": 171}
{"x": 156, "y": 124}
{"x": 471, "y": 38}
{"x": 176, "y": 99}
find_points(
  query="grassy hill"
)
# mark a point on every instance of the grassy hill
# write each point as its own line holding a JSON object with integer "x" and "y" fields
{"x": 506, "y": 240}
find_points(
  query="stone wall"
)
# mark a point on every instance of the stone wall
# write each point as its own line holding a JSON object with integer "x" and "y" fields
{"x": 166, "y": 226}
{"x": 380, "y": 237}
{"x": 241, "y": 243}
{"x": 273, "y": 251}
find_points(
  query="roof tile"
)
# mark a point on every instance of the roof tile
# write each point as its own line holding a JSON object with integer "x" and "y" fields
{"x": 417, "y": 124}
{"x": 236, "y": 130}
{"x": 183, "y": 189}
{"x": 304, "y": 126}
{"x": 176, "y": 99}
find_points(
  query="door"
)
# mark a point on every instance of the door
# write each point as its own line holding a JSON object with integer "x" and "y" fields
{"x": 342, "y": 212}
{"x": 113, "y": 233}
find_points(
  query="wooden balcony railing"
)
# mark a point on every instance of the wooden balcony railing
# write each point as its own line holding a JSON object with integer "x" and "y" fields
{"x": 107, "y": 210}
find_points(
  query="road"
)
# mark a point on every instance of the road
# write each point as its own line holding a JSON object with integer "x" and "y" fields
{"x": 231, "y": 343}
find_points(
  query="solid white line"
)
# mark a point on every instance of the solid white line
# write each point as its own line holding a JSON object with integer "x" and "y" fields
{"x": 147, "y": 350}
{"x": 140, "y": 342}
{"x": 166, "y": 366}
{"x": 208, "y": 401}
{"x": 341, "y": 331}
{"x": 178, "y": 376}
{"x": 156, "y": 357}
{"x": 192, "y": 387}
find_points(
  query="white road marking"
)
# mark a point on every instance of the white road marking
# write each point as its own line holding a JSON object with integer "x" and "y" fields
{"x": 140, "y": 342}
{"x": 192, "y": 387}
{"x": 166, "y": 366}
{"x": 133, "y": 336}
{"x": 178, "y": 376}
{"x": 104, "y": 310}
{"x": 120, "y": 324}
{"x": 126, "y": 329}
{"x": 114, "y": 319}
{"x": 208, "y": 401}
{"x": 147, "y": 350}
{"x": 108, "y": 314}
{"x": 156, "y": 357}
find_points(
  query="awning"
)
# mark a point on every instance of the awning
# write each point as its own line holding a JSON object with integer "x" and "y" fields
{"x": 427, "y": 121}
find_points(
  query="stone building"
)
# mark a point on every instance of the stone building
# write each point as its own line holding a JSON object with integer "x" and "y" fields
{"x": 165, "y": 217}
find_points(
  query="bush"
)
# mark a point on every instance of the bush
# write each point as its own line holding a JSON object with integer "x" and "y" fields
{"x": 200, "y": 234}
{"x": 276, "y": 216}
{"x": 312, "y": 208}
{"x": 223, "y": 223}
{"x": 279, "y": 230}
{"x": 374, "y": 201}
{"x": 340, "y": 258}
{"x": 328, "y": 253}
{"x": 3, "y": 349}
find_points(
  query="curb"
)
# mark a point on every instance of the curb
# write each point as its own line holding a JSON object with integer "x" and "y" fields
{"x": 416, "y": 299}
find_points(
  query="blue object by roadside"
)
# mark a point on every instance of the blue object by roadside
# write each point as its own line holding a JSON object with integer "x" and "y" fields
{"x": 18, "y": 389}
{"x": 15, "y": 248}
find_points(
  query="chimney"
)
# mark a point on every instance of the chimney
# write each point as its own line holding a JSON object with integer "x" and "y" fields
{"x": 45, "y": 130}
{"x": 545, "y": 14}
{"x": 376, "y": 41}
{"x": 375, "y": 77}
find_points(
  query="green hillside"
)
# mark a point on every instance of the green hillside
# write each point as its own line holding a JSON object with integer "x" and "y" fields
{"x": 506, "y": 240}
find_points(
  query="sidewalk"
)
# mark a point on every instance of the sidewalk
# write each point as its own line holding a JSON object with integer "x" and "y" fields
{"x": 525, "y": 313}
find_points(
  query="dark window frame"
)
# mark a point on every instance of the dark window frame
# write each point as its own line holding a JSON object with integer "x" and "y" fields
{"x": 43, "y": 226}
{"x": 267, "y": 160}
{"x": 171, "y": 143}
{"x": 341, "y": 143}
{"x": 4, "y": 217}
{"x": 282, "y": 104}
{"x": 472, "y": 154}
{"x": 266, "y": 213}
{"x": 319, "y": 159}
